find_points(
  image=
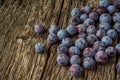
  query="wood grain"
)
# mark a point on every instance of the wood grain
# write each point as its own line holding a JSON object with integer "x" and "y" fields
{"x": 18, "y": 60}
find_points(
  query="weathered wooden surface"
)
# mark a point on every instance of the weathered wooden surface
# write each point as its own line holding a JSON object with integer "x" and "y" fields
{"x": 18, "y": 60}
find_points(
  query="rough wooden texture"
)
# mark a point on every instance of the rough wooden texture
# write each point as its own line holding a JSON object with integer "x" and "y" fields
{"x": 18, "y": 60}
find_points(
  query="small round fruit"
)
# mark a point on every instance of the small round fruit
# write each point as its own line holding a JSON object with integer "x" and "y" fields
{"x": 83, "y": 17}
{"x": 86, "y": 9}
{"x": 111, "y": 9}
{"x": 75, "y": 59}
{"x": 118, "y": 66}
{"x": 75, "y": 20}
{"x": 40, "y": 47}
{"x": 117, "y": 47}
{"x": 100, "y": 33}
{"x": 117, "y": 3}
{"x": 88, "y": 22}
{"x": 67, "y": 41}
{"x": 71, "y": 30}
{"x": 110, "y": 51}
{"x": 81, "y": 43}
{"x": 63, "y": 59}
{"x": 91, "y": 38}
{"x": 82, "y": 35}
{"x": 100, "y": 10}
{"x": 91, "y": 29}
{"x": 81, "y": 28}
{"x": 82, "y": 40}
{"x": 52, "y": 38}
{"x": 89, "y": 63}
{"x": 62, "y": 49}
{"x": 101, "y": 57}
{"x": 94, "y": 15}
{"x": 99, "y": 46}
{"x": 39, "y": 28}
{"x": 104, "y": 3}
{"x": 62, "y": 34}
{"x": 105, "y": 18}
{"x": 89, "y": 52}
{"x": 107, "y": 40}
{"x": 104, "y": 26}
{"x": 117, "y": 27}
{"x": 75, "y": 12}
{"x": 76, "y": 70}
{"x": 53, "y": 29}
{"x": 74, "y": 51}
{"x": 116, "y": 17}
{"x": 112, "y": 34}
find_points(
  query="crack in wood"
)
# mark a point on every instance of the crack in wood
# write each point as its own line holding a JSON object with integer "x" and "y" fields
{"x": 2, "y": 2}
